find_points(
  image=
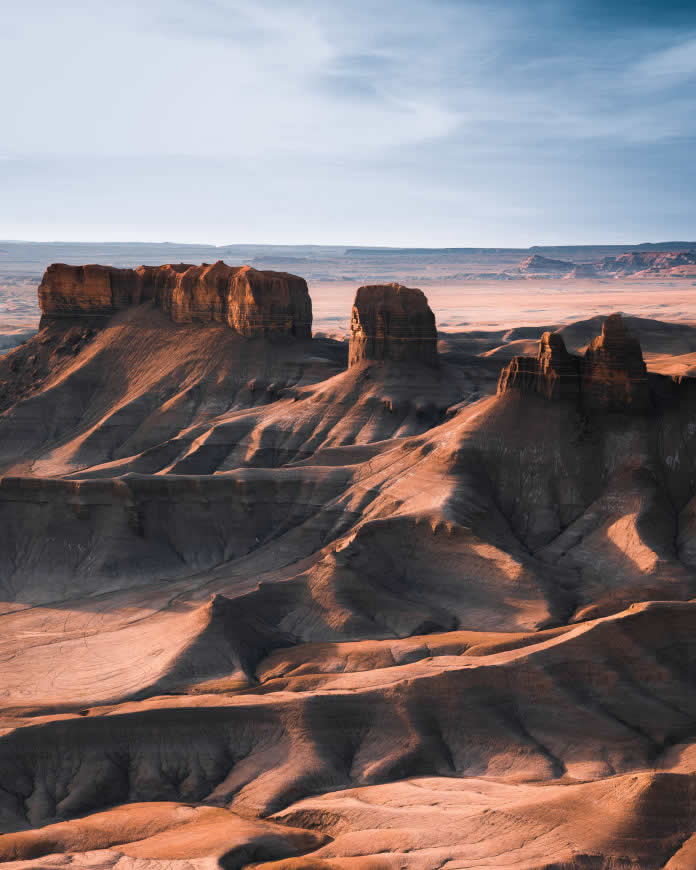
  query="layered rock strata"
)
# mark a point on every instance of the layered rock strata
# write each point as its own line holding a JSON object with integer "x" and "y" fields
{"x": 615, "y": 376}
{"x": 253, "y": 302}
{"x": 553, "y": 373}
{"x": 392, "y": 322}
{"x": 612, "y": 376}
{"x": 536, "y": 264}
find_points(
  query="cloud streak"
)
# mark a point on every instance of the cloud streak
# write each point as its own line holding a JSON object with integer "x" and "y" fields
{"x": 431, "y": 91}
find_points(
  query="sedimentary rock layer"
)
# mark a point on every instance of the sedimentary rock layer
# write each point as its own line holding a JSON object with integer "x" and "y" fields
{"x": 538, "y": 264}
{"x": 392, "y": 322}
{"x": 252, "y": 302}
{"x": 612, "y": 376}
{"x": 553, "y": 374}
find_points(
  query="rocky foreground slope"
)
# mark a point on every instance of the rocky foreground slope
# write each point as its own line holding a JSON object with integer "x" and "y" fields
{"x": 262, "y": 608}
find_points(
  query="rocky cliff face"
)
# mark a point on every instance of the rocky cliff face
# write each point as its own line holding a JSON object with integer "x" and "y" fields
{"x": 392, "y": 322}
{"x": 78, "y": 290}
{"x": 538, "y": 265}
{"x": 611, "y": 377}
{"x": 648, "y": 263}
{"x": 252, "y": 302}
{"x": 553, "y": 374}
{"x": 614, "y": 376}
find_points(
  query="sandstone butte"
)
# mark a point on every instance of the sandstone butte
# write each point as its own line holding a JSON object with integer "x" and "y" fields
{"x": 612, "y": 376}
{"x": 392, "y": 322}
{"x": 254, "y": 303}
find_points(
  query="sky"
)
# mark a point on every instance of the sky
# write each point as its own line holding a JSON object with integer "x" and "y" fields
{"x": 360, "y": 122}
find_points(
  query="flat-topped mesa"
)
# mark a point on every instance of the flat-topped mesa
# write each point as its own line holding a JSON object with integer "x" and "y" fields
{"x": 252, "y": 302}
{"x": 615, "y": 377}
{"x": 392, "y": 322}
{"x": 553, "y": 373}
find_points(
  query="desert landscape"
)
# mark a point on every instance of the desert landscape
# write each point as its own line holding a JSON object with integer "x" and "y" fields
{"x": 348, "y": 435}
{"x": 332, "y": 572}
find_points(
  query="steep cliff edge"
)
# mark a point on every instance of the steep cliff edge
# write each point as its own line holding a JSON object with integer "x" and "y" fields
{"x": 392, "y": 322}
{"x": 252, "y": 302}
{"x": 615, "y": 376}
{"x": 553, "y": 374}
{"x": 612, "y": 376}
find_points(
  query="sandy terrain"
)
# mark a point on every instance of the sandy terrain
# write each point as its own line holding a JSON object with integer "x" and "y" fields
{"x": 495, "y": 305}
{"x": 260, "y": 609}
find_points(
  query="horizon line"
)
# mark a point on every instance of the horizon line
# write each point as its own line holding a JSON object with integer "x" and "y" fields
{"x": 376, "y": 248}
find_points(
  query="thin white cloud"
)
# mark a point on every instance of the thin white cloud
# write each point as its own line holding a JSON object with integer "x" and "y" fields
{"x": 416, "y": 101}
{"x": 669, "y": 67}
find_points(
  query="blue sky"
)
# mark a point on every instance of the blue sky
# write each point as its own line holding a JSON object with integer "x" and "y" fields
{"x": 401, "y": 122}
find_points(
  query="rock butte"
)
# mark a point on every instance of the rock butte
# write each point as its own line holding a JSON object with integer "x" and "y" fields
{"x": 553, "y": 374}
{"x": 392, "y": 322}
{"x": 612, "y": 376}
{"x": 252, "y": 302}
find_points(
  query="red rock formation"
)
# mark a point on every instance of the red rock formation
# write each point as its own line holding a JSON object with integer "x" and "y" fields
{"x": 553, "y": 374}
{"x": 615, "y": 377}
{"x": 268, "y": 303}
{"x": 252, "y": 302}
{"x": 392, "y": 322}
{"x": 536, "y": 264}
{"x": 611, "y": 377}
{"x": 75, "y": 290}
{"x": 649, "y": 263}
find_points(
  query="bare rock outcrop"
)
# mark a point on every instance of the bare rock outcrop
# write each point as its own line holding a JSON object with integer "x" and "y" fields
{"x": 615, "y": 377}
{"x": 82, "y": 290}
{"x": 392, "y": 322}
{"x": 612, "y": 376}
{"x": 538, "y": 265}
{"x": 553, "y": 373}
{"x": 253, "y": 302}
{"x": 647, "y": 264}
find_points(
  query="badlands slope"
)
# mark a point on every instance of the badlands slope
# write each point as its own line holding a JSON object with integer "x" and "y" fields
{"x": 271, "y": 602}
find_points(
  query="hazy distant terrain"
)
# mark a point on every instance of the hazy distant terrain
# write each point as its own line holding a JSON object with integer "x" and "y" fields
{"x": 467, "y": 287}
{"x": 315, "y": 262}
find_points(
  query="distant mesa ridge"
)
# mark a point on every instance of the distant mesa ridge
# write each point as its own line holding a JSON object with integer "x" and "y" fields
{"x": 583, "y": 270}
{"x": 254, "y": 303}
{"x": 612, "y": 376}
{"x": 392, "y": 322}
{"x": 647, "y": 263}
{"x": 538, "y": 264}
{"x": 640, "y": 263}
